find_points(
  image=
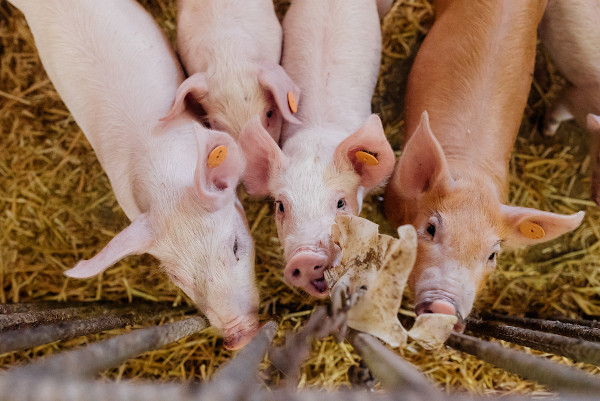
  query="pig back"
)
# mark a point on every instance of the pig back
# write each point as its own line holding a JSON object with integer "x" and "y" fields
{"x": 570, "y": 31}
{"x": 332, "y": 52}
{"x": 114, "y": 70}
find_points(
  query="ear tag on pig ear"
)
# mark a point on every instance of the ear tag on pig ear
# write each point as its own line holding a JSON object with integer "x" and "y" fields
{"x": 366, "y": 158}
{"x": 532, "y": 230}
{"x": 292, "y": 102}
{"x": 217, "y": 156}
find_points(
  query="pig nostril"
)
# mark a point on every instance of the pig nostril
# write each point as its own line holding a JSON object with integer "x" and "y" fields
{"x": 317, "y": 267}
{"x": 296, "y": 273}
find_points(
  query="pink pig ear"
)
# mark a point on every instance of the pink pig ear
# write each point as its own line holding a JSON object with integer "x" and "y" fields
{"x": 263, "y": 156}
{"x": 219, "y": 167}
{"x": 528, "y": 226}
{"x": 369, "y": 140}
{"x": 273, "y": 78}
{"x": 196, "y": 86}
{"x": 423, "y": 165}
{"x": 135, "y": 239}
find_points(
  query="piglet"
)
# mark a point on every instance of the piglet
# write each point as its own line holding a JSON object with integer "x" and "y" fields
{"x": 175, "y": 180}
{"x": 465, "y": 98}
{"x": 231, "y": 50}
{"x": 339, "y": 153}
{"x": 570, "y": 30}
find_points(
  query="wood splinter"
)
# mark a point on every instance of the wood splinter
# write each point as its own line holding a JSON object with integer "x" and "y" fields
{"x": 374, "y": 268}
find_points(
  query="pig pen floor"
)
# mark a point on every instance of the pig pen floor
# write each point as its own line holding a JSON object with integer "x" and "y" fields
{"x": 57, "y": 207}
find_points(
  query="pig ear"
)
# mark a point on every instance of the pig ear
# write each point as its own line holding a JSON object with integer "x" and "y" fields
{"x": 369, "y": 153}
{"x": 273, "y": 78}
{"x": 528, "y": 226}
{"x": 135, "y": 239}
{"x": 219, "y": 167}
{"x": 263, "y": 157}
{"x": 196, "y": 86}
{"x": 422, "y": 165}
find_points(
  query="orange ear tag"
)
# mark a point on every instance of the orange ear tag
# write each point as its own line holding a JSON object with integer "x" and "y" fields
{"x": 217, "y": 156}
{"x": 532, "y": 230}
{"x": 366, "y": 158}
{"x": 292, "y": 102}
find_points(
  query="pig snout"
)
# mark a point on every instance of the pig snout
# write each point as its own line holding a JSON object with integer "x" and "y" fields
{"x": 305, "y": 270}
{"x": 442, "y": 306}
{"x": 239, "y": 335}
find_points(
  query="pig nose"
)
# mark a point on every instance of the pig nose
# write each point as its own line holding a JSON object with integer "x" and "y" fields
{"x": 305, "y": 270}
{"x": 442, "y": 307}
{"x": 237, "y": 338}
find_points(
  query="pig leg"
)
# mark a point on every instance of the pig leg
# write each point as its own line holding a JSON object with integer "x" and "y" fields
{"x": 560, "y": 111}
{"x": 593, "y": 126}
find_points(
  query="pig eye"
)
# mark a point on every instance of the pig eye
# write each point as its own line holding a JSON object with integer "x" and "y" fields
{"x": 280, "y": 207}
{"x": 493, "y": 256}
{"x": 269, "y": 113}
{"x": 341, "y": 203}
{"x": 430, "y": 230}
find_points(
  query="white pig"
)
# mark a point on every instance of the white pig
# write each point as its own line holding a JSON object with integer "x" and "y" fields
{"x": 231, "y": 50}
{"x": 570, "y": 30}
{"x": 117, "y": 74}
{"x": 332, "y": 51}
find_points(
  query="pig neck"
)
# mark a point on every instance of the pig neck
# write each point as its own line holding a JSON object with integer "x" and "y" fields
{"x": 475, "y": 91}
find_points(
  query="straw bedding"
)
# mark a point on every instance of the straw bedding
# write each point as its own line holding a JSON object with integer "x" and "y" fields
{"x": 56, "y": 207}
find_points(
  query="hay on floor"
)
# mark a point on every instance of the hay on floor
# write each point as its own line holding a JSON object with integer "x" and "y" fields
{"x": 57, "y": 207}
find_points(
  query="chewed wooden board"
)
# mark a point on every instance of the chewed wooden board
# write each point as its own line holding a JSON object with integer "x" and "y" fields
{"x": 375, "y": 267}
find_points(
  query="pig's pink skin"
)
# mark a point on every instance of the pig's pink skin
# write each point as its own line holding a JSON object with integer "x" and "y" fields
{"x": 231, "y": 49}
{"x": 117, "y": 75}
{"x": 570, "y": 31}
{"x": 464, "y": 105}
{"x": 332, "y": 51}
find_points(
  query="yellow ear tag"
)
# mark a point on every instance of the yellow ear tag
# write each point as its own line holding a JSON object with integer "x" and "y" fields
{"x": 217, "y": 156}
{"x": 532, "y": 230}
{"x": 366, "y": 158}
{"x": 292, "y": 102}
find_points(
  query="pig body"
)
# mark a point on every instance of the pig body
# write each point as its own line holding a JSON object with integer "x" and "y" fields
{"x": 117, "y": 75}
{"x": 231, "y": 49}
{"x": 332, "y": 51}
{"x": 465, "y": 98}
{"x": 570, "y": 31}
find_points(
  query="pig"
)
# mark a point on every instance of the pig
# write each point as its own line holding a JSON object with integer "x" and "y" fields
{"x": 231, "y": 50}
{"x": 117, "y": 74}
{"x": 570, "y": 31}
{"x": 465, "y": 98}
{"x": 332, "y": 51}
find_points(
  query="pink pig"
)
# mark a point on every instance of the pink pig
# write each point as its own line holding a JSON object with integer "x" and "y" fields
{"x": 332, "y": 51}
{"x": 570, "y": 30}
{"x": 231, "y": 50}
{"x": 117, "y": 74}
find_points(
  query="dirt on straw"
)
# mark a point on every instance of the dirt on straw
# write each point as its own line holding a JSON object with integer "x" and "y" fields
{"x": 57, "y": 207}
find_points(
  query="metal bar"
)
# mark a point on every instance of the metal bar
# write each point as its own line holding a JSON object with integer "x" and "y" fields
{"x": 590, "y": 331}
{"x": 573, "y": 348}
{"x": 556, "y": 376}
{"x": 34, "y": 318}
{"x": 394, "y": 373}
{"x": 34, "y": 336}
{"x": 33, "y": 306}
{"x": 239, "y": 378}
{"x": 112, "y": 352}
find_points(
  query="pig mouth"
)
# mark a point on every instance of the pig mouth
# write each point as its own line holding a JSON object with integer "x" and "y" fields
{"x": 319, "y": 285}
{"x": 423, "y": 307}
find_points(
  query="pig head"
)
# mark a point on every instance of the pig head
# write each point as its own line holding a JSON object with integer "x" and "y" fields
{"x": 313, "y": 179}
{"x": 461, "y": 226}
{"x": 231, "y": 50}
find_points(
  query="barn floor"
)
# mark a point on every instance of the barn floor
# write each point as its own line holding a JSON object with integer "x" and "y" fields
{"x": 56, "y": 207}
